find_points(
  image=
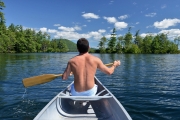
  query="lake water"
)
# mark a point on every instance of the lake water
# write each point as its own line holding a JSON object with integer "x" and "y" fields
{"x": 147, "y": 85}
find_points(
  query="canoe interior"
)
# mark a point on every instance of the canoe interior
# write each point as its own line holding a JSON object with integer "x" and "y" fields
{"x": 69, "y": 109}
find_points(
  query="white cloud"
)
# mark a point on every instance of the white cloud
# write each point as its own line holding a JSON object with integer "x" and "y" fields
{"x": 163, "y": 6}
{"x": 90, "y": 16}
{"x": 145, "y": 34}
{"x": 120, "y": 25}
{"x": 96, "y": 35}
{"x": 51, "y": 31}
{"x": 166, "y": 23}
{"x": 123, "y": 17}
{"x": 150, "y": 15}
{"x": 101, "y": 30}
{"x": 57, "y": 25}
{"x": 108, "y": 36}
{"x": 43, "y": 29}
{"x": 69, "y": 29}
{"x": 172, "y": 33}
{"x": 137, "y": 23}
{"x": 110, "y": 19}
{"x": 111, "y": 2}
{"x": 68, "y": 33}
{"x": 77, "y": 28}
{"x": 134, "y": 3}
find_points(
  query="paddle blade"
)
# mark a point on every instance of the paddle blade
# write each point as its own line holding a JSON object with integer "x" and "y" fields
{"x": 27, "y": 82}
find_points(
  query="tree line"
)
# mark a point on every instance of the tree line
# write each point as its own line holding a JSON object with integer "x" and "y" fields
{"x": 15, "y": 39}
{"x": 158, "y": 44}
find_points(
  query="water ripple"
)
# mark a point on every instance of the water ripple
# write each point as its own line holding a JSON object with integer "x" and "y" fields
{"x": 148, "y": 86}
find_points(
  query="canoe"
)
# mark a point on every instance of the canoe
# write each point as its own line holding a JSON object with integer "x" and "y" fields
{"x": 103, "y": 106}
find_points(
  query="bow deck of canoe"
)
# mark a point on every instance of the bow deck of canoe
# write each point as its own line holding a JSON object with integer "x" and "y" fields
{"x": 103, "y": 106}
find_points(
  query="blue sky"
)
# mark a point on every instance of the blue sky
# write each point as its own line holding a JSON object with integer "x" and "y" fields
{"x": 92, "y": 19}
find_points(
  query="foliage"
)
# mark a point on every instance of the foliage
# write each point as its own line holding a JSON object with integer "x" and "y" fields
{"x": 158, "y": 44}
{"x": 102, "y": 44}
{"x": 92, "y": 50}
{"x": 19, "y": 40}
{"x": 112, "y": 43}
{"x": 128, "y": 40}
{"x": 146, "y": 44}
{"x": 71, "y": 45}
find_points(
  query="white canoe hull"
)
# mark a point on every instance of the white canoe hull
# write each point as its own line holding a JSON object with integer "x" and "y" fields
{"x": 102, "y": 107}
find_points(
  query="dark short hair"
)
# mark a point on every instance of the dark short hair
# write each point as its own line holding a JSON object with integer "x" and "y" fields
{"x": 83, "y": 45}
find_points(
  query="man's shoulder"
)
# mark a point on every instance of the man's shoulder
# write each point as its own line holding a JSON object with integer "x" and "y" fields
{"x": 75, "y": 59}
{"x": 92, "y": 56}
{"x": 72, "y": 59}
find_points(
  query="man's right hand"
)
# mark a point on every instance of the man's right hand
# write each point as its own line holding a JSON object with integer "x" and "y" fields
{"x": 116, "y": 63}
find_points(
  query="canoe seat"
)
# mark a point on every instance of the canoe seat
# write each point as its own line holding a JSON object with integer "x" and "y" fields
{"x": 86, "y": 98}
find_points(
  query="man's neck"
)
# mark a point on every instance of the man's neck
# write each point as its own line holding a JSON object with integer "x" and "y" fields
{"x": 83, "y": 53}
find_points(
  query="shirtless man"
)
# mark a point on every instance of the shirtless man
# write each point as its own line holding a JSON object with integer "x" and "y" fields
{"x": 83, "y": 67}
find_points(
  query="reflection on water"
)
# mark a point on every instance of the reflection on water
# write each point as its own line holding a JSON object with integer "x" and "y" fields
{"x": 148, "y": 86}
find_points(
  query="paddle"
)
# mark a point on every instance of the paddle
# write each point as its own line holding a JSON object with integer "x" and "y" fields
{"x": 36, "y": 80}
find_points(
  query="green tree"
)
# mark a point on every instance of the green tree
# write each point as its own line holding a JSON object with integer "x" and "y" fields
{"x": 128, "y": 40}
{"x": 21, "y": 43}
{"x": 163, "y": 40}
{"x": 112, "y": 42}
{"x": 11, "y": 39}
{"x": 136, "y": 40}
{"x": 177, "y": 40}
{"x": 62, "y": 46}
{"x": 2, "y": 19}
{"x": 134, "y": 49}
{"x": 3, "y": 36}
{"x": 172, "y": 48}
{"x": 30, "y": 43}
{"x": 155, "y": 46}
{"x": 102, "y": 44}
{"x": 44, "y": 42}
{"x": 146, "y": 45}
{"x": 119, "y": 45}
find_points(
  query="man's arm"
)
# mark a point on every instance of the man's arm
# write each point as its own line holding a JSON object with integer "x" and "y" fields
{"x": 67, "y": 72}
{"x": 107, "y": 70}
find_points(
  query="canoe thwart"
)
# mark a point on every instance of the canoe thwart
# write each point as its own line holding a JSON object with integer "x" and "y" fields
{"x": 84, "y": 98}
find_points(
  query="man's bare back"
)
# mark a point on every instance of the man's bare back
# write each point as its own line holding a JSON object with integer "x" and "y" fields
{"x": 84, "y": 68}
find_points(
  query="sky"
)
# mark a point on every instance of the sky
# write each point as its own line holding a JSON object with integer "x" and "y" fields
{"x": 93, "y": 19}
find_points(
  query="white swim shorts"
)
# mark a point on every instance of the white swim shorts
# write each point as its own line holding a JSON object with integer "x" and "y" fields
{"x": 90, "y": 92}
